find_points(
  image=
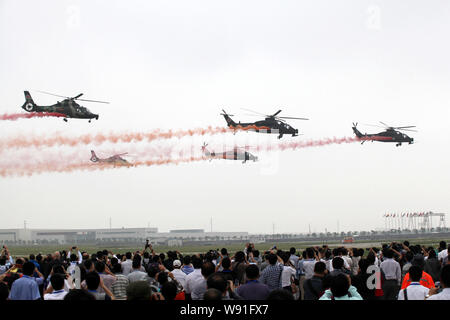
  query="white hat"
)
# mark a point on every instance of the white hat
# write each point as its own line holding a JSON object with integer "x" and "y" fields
{"x": 177, "y": 263}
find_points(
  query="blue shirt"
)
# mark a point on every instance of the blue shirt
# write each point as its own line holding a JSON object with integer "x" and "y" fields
{"x": 253, "y": 290}
{"x": 25, "y": 288}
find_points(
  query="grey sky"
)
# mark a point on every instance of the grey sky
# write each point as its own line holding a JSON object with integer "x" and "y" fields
{"x": 176, "y": 64}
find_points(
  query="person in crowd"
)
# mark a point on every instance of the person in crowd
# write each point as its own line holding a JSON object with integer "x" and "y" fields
{"x": 415, "y": 291}
{"x": 308, "y": 264}
{"x": 271, "y": 275}
{"x": 288, "y": 274}
{"x": 392, "y": 275}
{"x": 280, "y": 294}
{"x": 127, "y": 264}
{"x": 187, "y": 266}
{"x": 136, "y": 273}
{"x": 93, "y": 283}
{"x": 253, "y": 289}
{"x": 108, "y": 278}
{"x": 27, "y": 287}
{"x": 432, "y": 264}
{"x": 361, "y": 279}
{"x": 341, "y": 289}
{"x": 442, "y": 293}
{"x": 57, "y": 285}
{"x": 119, "y": 287}
{"x": 199, "y": 289}
{"x": 238, "y": 267}
{"x": 313, "y": 287}
{"x": 179, "y": 275}
{"x": 193, "y": 277}
{"x": 426, "y": 280}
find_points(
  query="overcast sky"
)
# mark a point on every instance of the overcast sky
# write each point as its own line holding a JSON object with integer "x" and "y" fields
{"x": 176, "y": 64}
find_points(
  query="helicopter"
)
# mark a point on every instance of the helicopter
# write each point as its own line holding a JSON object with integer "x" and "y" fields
{"x": 115, "y": 159}
{"x": 271, "y": 124}
{"x": 69, "y": 108}
{"x": 391, "y": 134}
{"x": 229, "y": 155}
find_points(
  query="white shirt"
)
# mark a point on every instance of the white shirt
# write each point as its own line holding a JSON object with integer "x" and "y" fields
{"x": 126, "y": 267}
{"x": 442, "y": 255}
{"x": 308, "y": 268}
{"x": 180, "y": 276}
{"x": 444, "y": 295}
{"x": 192, "y": 279}
{"x": 415, "y": 291}
{"x": 346, "y": 265}
{"x": 286, "y": 275}
{"x": 55, "y": 295}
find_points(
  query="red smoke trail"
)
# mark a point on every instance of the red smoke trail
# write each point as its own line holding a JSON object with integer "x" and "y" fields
{"x": 50, "y": 167}
{"x": 15, "y": 116}
{"x": 308, "y": 144}
{"x": 57, "y": 139}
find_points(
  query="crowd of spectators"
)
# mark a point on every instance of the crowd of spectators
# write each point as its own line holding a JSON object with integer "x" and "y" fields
{"x": 396, "y": 271}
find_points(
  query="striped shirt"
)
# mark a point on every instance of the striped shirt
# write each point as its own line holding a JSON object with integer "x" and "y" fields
{"x": 271, "y": 276}
{"x": 119, "y": 288}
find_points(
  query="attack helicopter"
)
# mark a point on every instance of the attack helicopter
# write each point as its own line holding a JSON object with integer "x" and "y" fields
{"x": 68, "y": 108}
{"x": 271, "y": 124}
{"x": 391, "y": 134}
{"x": 235, "y": 154}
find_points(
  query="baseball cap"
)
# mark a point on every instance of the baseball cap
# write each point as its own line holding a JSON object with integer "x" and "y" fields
{"x": 177, "y": 263}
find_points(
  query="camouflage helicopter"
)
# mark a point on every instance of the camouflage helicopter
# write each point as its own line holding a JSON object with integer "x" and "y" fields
{"x": 69, "y": 108}
{"x": 235, "y": 154}
{"x": 114, "y": 159}
{"x": 271, "y": 124}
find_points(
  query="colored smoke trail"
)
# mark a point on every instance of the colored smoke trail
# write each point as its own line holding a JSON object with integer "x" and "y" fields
{"x": 16, "y": 116}
{"x": 57, "y": 139}
{"x": 52, "y": 167}
{"x": 308, "y": 144}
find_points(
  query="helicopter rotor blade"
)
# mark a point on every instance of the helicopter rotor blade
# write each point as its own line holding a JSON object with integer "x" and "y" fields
{"x": 76, "y": 97}
{"x": 384, "y": 124}
{"x": 52, "y": 94}
{"x": 261, "y": 114}
{"x": 293, "y": 118}
{"x": 92, "y": 101}
{"x": 373, "y": 125}
{"x": 276, "y": 113}
{"x": 405, "y": 127}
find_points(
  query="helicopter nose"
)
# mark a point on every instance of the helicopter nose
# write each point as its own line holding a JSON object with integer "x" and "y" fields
{"x": 96, "y": 117}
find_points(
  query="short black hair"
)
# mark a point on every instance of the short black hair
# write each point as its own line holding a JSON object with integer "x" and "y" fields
{"x": 292, "y": 250}
{"x": 92, "y": 280}
{"x": 196, "y": 262}
{"x": 73, "y": 257}
{"x": 87, "y": 264}
{"x": 337, "y": 263}
{"x": 79, "y": 295}
{"x": 388, "y": 253}
{"x": 163, "y": 277}
{"x": 280, "y": 294}
{"x": 100, "y": 266}
{"x": 187, "y": 260}
{"x": 252, "y": 272}
{"x": 117, "y": 268}
{"x": 208, "y": 269}
{"x": 217, "y": 281}
{"x": 212, "y": 294}
{"x": 320, "y": 267}
{"x": 272, "y": 258}
{"x": 310, "y": 253}
{"x": 128, "y": 255}
{"x": 32, "y": 257}
{"x": 339, "y": 285}
{"x": 28, "y": 268}
{"x": 136, "y": 264}
{"x": 226, "y": 263}
{"x": 169, "y": 290}
{"x": 415, "y": 273}
{"x": 224, "y": 251}
{"x": 57, "y": 281}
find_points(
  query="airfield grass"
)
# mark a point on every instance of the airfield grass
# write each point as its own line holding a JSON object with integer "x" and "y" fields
{"x": 25, "y": 250}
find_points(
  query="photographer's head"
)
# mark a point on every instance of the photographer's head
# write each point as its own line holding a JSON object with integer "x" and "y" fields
{"x": 339, "y": 285}
{"x": 28, "y": 268}
{"x": 57, "y": 281}
{"x": 415, "y": 273}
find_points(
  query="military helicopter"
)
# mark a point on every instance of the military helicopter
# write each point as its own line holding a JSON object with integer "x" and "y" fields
{"x": 115, "y": 159}
{"x": 68, "y": 107}
{"x": 391, "y": 134}
{"x": 271, "y": 124}
{"x": 229, "y": 155}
